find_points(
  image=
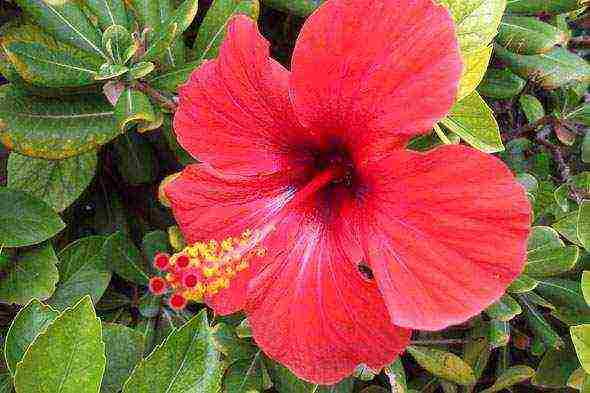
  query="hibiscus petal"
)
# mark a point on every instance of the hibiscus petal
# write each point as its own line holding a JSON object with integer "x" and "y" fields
{"x": 380, "y": 68}
{"x": 445, "y": 233}
{"x": 313, "y": 311}
{"x": 208, "y": 205}
{"x": 234, "y": 112}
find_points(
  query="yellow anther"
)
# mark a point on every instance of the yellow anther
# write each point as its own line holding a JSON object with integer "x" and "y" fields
{"x": 213, "y": 246}
{"x": 169, "y": 277}
{"x": 246, "y": 234}
{"x": 261, "y": 251}
{"x": 192, "y": 251}
{"x": 210, "y": 271}
{"x": 230, "y": 272}
{"x": 222, "y": 283}
{"x": 195, "y": 262}
{"x": 227, "y": 244}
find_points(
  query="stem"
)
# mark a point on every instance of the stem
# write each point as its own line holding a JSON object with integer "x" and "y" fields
{"x": 442, "y": 135}
{"x": 158, "y": 96}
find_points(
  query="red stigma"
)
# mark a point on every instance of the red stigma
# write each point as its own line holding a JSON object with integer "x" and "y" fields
{"x": 162, "y": 261}
{"x": 157, "y": 286}
{"x": 190, "y": 280}
{"x": 177, "y": 302}
{"x": 182, "y": 261}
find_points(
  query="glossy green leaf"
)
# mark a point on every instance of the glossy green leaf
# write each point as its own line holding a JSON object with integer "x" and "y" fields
{"x": 397, "y": 377}
{"x": 134, "y": 108}
{"x": 547, "y": 255}
{"x": 43, "y": 61}
{"x": 501, "y": 84}
{"x": 443, "y": 364}
{"x": 118, "y": 42}
{"x": 477, "y": 349}
{"x": 568, "y": 227}
{"x": 477, "y": 21}
{"x": 245, "y": 376}
{"x": 146, "y": 12}
{"x": 539, "y": 325}
{"x": 58, "y": 183}
{"x": 584, "y": 224}
{"x": 532, "y": 107}
{"x": 556, "y": 68}
{"x": 82, "y": 271}
{"x": 30, "y": 321}
{"x": 580, "y": 115}
{"x": 576, "y": 379}
{"x": 26, "y": 220}
{"x": 566, "y": 296}
{"x": 285, "y": 381}
{"x": 523, "y": 284}
{"x": 528, "y": 35}
{"x": 212, "y": 30}
{"x": 581, "y": 339}
{"x": 296, "y": 7}
{"x": 172, "y": 80}
{"x": 123, "y": 349}
{"x": 232, "y": 347}
{"x": 109, "y": 12}
{"x": 30, "y": 274}
{"x": 512, "y": 376}
{"x": 141, "y": 70}
{"x": 153, "y": 243}
{"x": 499, "y": 333}
{"x": 475, "y": 64}
{"x": 555, "y": 369}
{"x": 174, "y": 56}
{"x": 123, "y": 257}
{"x": 473, "y": 120}
{"x": 504, "y": 309}
{"x": 182, "y": 18}
{"x": 585, "y": 285}
{"x": 111, "y": 71}
{"x": 135, "y": 159}
{"x": 54, "y": 129}
{"x": 68, "y": 357}
{"x": 66, "y": 21}
{"x": 188, "y": 360}
{"x": 534, "y": 7}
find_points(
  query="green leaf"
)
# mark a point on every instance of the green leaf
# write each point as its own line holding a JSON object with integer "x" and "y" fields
{"x": 111, "y": 71}
{"x": 66, "y": 21}
{"x": 125, "y": 259}
{"x": 547, "y": 255}
{"x": 232, "y": 347}
{"x": 576, "y": 379}
{"x": 532, "y": 107}
{"x": 30, "y": 321}
{"x": 584, "y": 224}
{"x": 54, "y": 129}
{"x": 477, "y": 349}
{"x": 134, "y": 108}
{"x": 297, "y": 7}
{"x": 124, "y": 349}
{"x": 68, "y": 357}
{"x": 501, "y": 84}
{"x": 528, "y": 35}
{"x": 31, "y": 274}
{"x": 187, "y": 361}
{"x": 473, "y": 120}
{"x": 43, "y": 61}
{"x": 58, "y": 183}
{"x": 153, "y": 243}
{"x": 477, "y": 21}
{"x": 141, "y": 70}
{"x": 443, "y": 364}
{"x": 581, "y": 339}
{"x": 566, "y": 296}
{"x": 585, "y": 285}
{"x": 499, "y": 333}
{"x": 285, "y": 381}
{"x": 504, "y": 309}
{"x": 118, "y": 42}
{"x": 147, "y": 13}
{"x": 82, "y": 271}
{"x": 568, "y": 227}
{"x": 539, "y": 325}
{"x": 534, "y": 7}
{"x": 580, "y": 115}
{"x": 555, "y": 369}
{"x": 109, "y": 12}
{"x": 523, "y": 284}
{"x": 475, "y": 64}
{"x": 182, "y": 18}
{"x": 510, "y": 377}
{"x": 26, "y": 220}
{"x": 172, "y": 80}
{"x": 212, "y": 30}
{"x": 550, "y": 70}
{"x": 174, "y": 56}
{"x": 245, "y": 375}
{"x": 135, "y": 159}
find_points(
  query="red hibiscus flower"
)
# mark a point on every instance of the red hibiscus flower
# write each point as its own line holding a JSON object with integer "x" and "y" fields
{"x": 307, "y": 211}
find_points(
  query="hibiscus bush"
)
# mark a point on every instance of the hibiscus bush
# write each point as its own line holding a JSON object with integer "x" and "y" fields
{"x": 294, "y": 196}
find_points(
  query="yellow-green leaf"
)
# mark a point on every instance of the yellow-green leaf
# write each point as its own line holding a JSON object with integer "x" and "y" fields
{"x": 510, "y": 377}
{"x": 581, "y": 339}
{"x": 443, "y": 364}
{"x": 475, "y": 64}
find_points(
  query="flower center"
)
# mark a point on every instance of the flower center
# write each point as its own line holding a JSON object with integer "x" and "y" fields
{"x": 203, "y": 269}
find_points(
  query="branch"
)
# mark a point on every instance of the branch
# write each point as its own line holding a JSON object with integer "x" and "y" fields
{"x": 166, "y": 102}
